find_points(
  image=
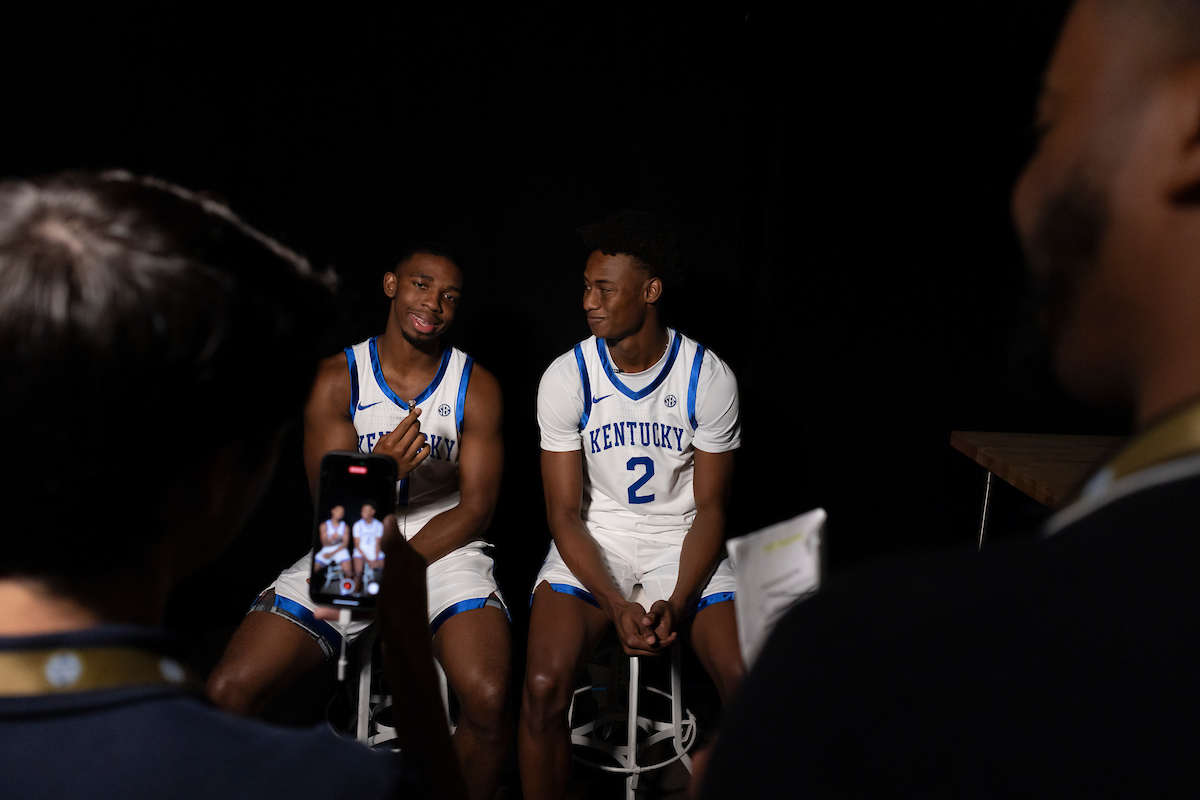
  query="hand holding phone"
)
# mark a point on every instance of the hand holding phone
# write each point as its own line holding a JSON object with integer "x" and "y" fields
{"x": 406, "y": 444}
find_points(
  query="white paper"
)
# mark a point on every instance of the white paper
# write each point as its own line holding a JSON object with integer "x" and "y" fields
{"x": 776, "y": 567}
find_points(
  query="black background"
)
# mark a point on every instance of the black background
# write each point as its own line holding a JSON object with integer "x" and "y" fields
{"x": 841, "y": 180}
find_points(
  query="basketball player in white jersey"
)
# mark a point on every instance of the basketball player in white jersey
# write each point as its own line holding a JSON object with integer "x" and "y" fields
{"x": 368, "y": 532}
{"x": 335, "y": 543}
{"x": 638, "y": 428}
{"x": 369, "y": 398}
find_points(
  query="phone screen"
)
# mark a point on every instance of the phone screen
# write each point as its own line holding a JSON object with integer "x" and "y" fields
{"x": 356, "y": 492}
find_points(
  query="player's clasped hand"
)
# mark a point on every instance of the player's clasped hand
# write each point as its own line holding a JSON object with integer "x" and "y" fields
{"x": 638, "y": 638}
{"x": 660, "y": 620}
{"x": 406, "y": 444}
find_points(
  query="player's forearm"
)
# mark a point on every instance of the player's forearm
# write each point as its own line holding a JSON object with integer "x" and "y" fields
{"x": 582, "y": 556}
{"x": 702, "y": 548}
{"x": 450, "y": 530}
{"x": 416, "y": 700}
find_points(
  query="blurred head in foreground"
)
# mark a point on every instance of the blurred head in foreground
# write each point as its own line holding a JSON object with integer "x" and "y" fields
{"x": 153, "y": 348}
{"x": 1108, "y": 208}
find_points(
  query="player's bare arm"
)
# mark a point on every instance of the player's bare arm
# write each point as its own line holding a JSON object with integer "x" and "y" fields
{"x": 480, "y": 468}
{"x": 704, "y": 543}
{"x": 562, "y": 480}
{"x": 408, "y": 661}
{"x": 328, "y": 426}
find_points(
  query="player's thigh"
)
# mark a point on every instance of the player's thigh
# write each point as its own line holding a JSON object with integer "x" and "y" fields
{"x": 475, "y": 650}
{"x": 712, "y": 633}
{"x": 267, "y": 652}
{"x": 563, "y": 632}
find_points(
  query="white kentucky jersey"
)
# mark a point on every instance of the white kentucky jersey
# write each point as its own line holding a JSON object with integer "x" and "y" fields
{"x": 376, "y": 410}
{"x": 335, "y": 532}
{"x": 639, "y": 432}
{"x": 367, "y": 536}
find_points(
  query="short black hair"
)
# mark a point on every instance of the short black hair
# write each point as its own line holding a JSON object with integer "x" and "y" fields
{"x": 428, "y": 248}
{"x": 142, "y": 326}
{"x": 649, "y": 239}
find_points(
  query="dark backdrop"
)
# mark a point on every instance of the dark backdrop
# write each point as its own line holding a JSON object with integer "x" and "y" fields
{"x": 841, "y": 180}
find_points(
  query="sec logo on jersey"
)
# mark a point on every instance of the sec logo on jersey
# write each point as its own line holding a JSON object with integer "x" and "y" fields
{"x": 670, "y": 401}
{"x": 444, "y": 410}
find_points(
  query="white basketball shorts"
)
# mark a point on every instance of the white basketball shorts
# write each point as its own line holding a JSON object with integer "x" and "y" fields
{"x": 634, "y": 559}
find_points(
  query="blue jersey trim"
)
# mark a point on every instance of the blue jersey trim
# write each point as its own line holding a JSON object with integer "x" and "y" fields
{"x": 402, "y": 493}
{"x": 377, "y": 368}
{"x": 694, "y": 384}
{"x": 587, "y": 386}
{"x": 712, "y": 600}
{"x": 353, "y": 363}
{"x": 457, "y": 608}
{"x": 460, "y": 404}
{"x": 317, "y": 626}
{"x": 602, "y": 348}
{"x": 582, "y": 594}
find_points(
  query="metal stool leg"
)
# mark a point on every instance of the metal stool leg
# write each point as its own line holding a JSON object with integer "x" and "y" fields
{"x": 445, "y": 689}
{"x": 681, "y": 746}
{"x": 366, "y": 644}
{"x": 631, "y": 728}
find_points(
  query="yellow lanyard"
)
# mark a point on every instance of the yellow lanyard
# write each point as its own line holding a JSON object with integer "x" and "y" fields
{"x": 1172, "y": 437}
{"x": 27, "y": 673}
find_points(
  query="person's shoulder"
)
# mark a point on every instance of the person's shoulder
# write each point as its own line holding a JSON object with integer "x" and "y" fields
{"x": 712, "y": 361}
{"x": 333, "y": 375}
{"x": 294, "y": 752}
{"x": 567, "y": 363}
{"x": 484, "y": 385}
{"x": 243, "y": 758}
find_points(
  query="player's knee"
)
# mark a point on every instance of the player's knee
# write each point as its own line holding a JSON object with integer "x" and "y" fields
{"x": 230, "y": 691}
{"x": 546, "y": 693}
{"x": 485, "y": 703}
{"x": 730, "y": 670}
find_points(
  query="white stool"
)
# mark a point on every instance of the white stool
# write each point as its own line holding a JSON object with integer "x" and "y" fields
{"x": 371, "y": 699}
{"x": 628, "y": 756}
{"x": 333, "y": 575}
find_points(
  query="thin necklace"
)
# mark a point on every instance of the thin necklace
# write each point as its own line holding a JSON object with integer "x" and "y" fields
{"x": 656, "y": 360}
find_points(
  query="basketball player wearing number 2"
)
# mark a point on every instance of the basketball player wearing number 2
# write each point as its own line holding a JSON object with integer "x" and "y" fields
{"x": 638, "y": 427}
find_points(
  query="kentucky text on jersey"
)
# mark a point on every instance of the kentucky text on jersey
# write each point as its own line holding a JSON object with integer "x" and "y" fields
{"x": 440, "y": 447}
{"x": 635, "y": 434}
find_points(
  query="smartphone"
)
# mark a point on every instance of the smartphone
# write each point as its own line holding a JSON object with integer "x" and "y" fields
{"x": 356, "y": 492}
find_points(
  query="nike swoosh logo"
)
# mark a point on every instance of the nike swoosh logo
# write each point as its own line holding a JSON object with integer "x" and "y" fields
{"x": 598, "y": 399}
{"x": 361, "y": 407}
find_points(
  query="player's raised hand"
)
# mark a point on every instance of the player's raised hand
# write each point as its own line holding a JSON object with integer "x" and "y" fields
{"x": 660, "y": 621}
{"x": 636, "y": 639}
{"x": 406, "y": 444}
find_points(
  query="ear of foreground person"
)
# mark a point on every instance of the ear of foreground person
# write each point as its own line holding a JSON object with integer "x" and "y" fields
{"x": 134, "y": 314}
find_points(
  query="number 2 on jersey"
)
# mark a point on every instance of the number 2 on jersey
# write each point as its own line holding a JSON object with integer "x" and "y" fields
{"x": 647, "y": 474}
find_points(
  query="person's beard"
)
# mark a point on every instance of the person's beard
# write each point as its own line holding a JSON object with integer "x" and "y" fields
{"x": 419, "y": 343}
{"x": 1063, "y": 251}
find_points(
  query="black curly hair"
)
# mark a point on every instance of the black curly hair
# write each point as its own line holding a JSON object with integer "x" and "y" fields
{"x": 650, "y": 240}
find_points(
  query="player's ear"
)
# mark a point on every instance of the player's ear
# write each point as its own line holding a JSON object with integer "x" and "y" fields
{"x": 653, "y": 290}
{"x": 390, "y": 281}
